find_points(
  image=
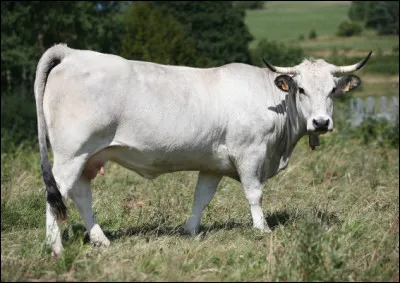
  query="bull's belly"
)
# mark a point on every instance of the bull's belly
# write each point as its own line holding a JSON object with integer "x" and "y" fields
{"x": 151, "y": 164}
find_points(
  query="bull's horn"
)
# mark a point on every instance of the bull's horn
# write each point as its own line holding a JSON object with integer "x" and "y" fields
{"x": 351, "y": 68}
{"x": 282, "y": 70}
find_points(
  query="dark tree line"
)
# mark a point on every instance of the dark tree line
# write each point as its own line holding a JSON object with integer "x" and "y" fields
{"x": 172, "y": 32}
{"x": 198, "y": 34}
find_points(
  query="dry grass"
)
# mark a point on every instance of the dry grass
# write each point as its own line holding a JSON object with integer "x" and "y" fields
{"x": 334, "y": 214}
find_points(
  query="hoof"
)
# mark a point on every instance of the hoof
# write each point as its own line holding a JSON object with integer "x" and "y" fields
{"x": 56, "y": 252}
{"x": 101, "y": 243}
{"x": 190, "y": 230}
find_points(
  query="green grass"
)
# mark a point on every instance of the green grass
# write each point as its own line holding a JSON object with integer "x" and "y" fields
{"x": 334, "y": 214}
{"x": 287, "y": 20}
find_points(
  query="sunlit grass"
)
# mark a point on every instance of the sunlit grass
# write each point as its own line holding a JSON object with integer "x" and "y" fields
{"x": 334, "y": 214}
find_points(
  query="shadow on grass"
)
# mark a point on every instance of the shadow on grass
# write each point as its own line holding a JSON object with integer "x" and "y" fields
{"x": 274, "y": 219}
{"x": 279, "y": 218}
{"x": 164, "y": 230}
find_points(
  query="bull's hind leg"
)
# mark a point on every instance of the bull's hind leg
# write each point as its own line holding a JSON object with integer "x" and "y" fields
{"x": 205, "y": 189}
{"x": 66, "y": 173}
{"x": 81, "y": 194}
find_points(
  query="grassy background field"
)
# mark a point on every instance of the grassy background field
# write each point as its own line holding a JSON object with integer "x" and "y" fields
{"x": 334, "y": 211}
{"x": 286, "y": 21}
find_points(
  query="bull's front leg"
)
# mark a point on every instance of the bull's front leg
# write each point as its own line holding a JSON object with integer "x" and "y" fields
{"x": 250, "y": 171}
{"x": 205, "y": 189}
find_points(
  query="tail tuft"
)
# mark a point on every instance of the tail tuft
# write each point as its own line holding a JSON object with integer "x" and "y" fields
{"x": 54, "y": 197}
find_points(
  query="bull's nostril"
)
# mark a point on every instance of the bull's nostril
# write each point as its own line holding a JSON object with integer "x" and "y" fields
{"x": 320, "y": 124}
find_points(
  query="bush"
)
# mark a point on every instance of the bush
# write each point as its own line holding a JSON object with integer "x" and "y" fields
{"x": 312, "y": 34}
{"x": 277, "y": 53}
{"x": 372, "y": 131}
{"x": 379, "y": 131}
{"x": 348, "y": 28}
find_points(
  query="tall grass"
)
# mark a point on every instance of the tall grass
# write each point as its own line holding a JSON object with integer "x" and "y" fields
{"x": 333, "y": 211}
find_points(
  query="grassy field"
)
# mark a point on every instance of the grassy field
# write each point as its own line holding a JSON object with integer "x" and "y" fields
{"x": 334, "y": 214}
{"x": 334, "y": 211}
{"x": 286, "y": 21}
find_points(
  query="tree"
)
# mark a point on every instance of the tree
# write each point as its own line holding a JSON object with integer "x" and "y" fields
{"x": 357, "y": 11}
{"x": 380, "y": 15}
{"x": 216, "y": 27}
{"x": 29, "y": 28}
{"x": 278, "y": 54}
{"x": 153, "y": 36}
{"x": 384, "y": 16}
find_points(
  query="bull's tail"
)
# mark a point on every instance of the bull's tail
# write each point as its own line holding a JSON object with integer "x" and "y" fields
{"x": 51, "y": 58}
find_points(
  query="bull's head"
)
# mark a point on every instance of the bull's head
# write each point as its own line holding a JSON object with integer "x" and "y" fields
{"x": 314, "y": 84}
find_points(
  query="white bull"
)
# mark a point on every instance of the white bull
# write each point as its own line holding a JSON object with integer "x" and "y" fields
{"x": 235, "y": 120}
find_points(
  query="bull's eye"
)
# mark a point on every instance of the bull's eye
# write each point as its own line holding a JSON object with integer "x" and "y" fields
{"x": 301, "y": 90}
{"x": 333, "y": 90}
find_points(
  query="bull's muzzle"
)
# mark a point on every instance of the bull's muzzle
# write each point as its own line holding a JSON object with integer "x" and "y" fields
{"x": 319, "y": 125}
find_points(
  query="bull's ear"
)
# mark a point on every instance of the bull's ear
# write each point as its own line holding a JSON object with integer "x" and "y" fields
{"x": 347, "y": 83}
{"x": 285, "y": 82}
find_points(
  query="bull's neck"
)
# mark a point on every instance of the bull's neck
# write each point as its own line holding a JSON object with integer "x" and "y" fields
{"x": 295, "y": 126}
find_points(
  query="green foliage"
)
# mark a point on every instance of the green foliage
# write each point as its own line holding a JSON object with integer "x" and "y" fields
{"x": 377, "y": 131}
{"x": 276, "y": 53}
{"x": 357, "y": 10}
{"x": 348, "y": 28}
{"x": 18, "y": 119}
{"x": 250, "y": 5}
{"x": 312, "y": 34}
{"x": 156, "y": 37}
{"x": 380, "y": 15}
{"x": 216, "y": 27}
{"x": 29, "y": 28}
{"x": 374, "y": 131}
